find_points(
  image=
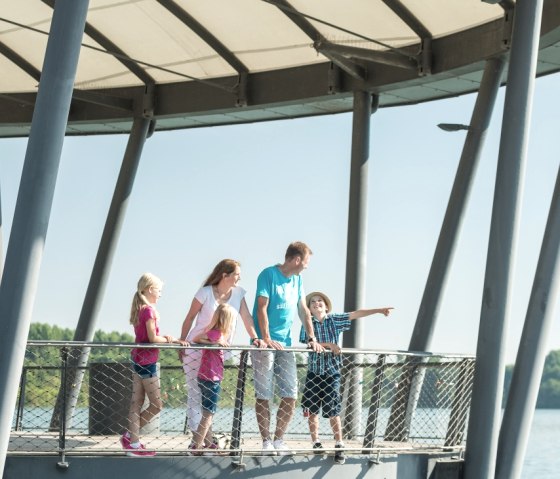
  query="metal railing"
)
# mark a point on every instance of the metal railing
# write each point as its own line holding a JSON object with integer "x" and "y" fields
{"x": 392, "y": 402}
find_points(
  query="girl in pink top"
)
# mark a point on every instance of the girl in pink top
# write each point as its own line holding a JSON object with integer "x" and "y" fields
{"x": 211, "y": 371}
{"x": 145, "y": 380}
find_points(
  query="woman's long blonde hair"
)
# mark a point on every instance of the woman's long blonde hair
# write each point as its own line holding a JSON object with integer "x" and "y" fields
{"x": 223, "y": 319}
{"x": 139, "y": 300}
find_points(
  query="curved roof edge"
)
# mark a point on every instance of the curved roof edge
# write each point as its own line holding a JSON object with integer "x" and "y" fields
{"x": 310, "y": 90}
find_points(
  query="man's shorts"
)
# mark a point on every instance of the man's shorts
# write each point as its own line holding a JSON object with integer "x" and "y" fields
{"x": 322, "y": 391}
{"x": 210, "y": 394}
{"x": 270, "y": 365}
{"x": 145, "y": 371}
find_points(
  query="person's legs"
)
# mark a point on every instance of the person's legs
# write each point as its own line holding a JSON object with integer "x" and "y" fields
{"x": 263, "y": 362}
{"x": 210, "y": 394}
{"x": 285, "y": 372}
{"x": 313, "y": 421}
{"x": 136, "y": 402}
{"x": 153, "y": 391}
{"x": 204, "y": 428}
{"x": 284, "y": 416}
{"x": 191, "y": 365}
{"x": 336, "y": 428}
{"x": 262, "y": 410}
{"x": 311, "y": 402}
{"x": 331, "y": 408}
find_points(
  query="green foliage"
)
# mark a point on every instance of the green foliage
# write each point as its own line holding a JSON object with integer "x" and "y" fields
{"x": 549, "y": 392}
{"x": 43, "y": 374}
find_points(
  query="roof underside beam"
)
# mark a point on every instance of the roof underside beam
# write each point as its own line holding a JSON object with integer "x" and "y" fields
{"x": 417, "y": 27}
{"x": 112, "y": 48}
{"x": 20, "y": 62}
{"x": 386, "y": 58}
{"x": 205, "y": 35}
{"x": 352, "y": 68}
{"x": 100, "y": 99}
{"x": 214, "y": 43}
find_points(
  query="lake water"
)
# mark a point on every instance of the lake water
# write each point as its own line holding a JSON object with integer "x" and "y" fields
{"x": 542, "y": 459}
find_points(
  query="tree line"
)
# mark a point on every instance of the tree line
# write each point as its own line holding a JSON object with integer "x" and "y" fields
{"x": 172, "y": 383}
{"x": 549, "y": 391}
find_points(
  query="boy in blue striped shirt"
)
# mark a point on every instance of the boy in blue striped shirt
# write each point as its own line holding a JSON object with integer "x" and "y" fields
{"x": 322, "y": 383}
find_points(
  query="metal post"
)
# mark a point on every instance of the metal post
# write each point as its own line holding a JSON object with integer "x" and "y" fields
{"x": 356, "y": 251}
{"x": 480, "y": 120}
{"x": 31, "y": 217}
{"x": 1, "y": 244}
{"x": 484, "y": 420}
{"x": 406, "y": 401}
{"x": 63, "y": 384}
{"x": 460, "y": 405}
{"x": 86, "y": 324}
{"x": 21, "y": 400}
{"x": 375, "y": 404}
{"x": 239, "y": 401}
{"x": 518, "y": 415}
{"x": 364, "y": 105}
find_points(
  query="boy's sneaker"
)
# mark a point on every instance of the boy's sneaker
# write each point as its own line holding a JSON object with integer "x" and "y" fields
{"x": 125, "y": 440}
{"x": 318, "y": 448}
{"x": 268, "y": 448}
{"x": 139, "y": 452}
{"x": 282, "y": 448}
{"x": 339, "y": 456}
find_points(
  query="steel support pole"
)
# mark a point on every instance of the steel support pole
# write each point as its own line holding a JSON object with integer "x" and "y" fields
{"x": 356, "y": 249}
{"x": 1, "y": 239}
{"x": 85, "y": 329}
{"x": 34, "y": 202}
{"x": 480, "y": 120}
{"x": 522, "y": 398}
{"x": 364, "y": 105}
{"x": 404, "y": 406}
{"x": 484, "y": 420}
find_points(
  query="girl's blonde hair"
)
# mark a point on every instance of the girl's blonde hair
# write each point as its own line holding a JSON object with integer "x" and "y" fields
{"x": 223, "y": 319}
{"x": 139, "y": 300}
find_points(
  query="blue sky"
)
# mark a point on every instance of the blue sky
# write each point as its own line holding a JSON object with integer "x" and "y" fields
{"x": 246, "y": 191}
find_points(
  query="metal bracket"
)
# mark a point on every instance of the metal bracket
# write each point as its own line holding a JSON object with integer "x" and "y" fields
{"x": 241, "y": 88}
{"x": 509, "y": 12}
{"x": 149, "y": 101}
{"x": 425, "y": 60}
{"x": 375, "y": 459}
{"x": 333, "y": 78}
{"x": 239, "y": 464}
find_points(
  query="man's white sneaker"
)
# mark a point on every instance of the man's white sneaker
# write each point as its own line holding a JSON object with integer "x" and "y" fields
{"x": 268, "y": 448}
{"x": 282, "y": 448}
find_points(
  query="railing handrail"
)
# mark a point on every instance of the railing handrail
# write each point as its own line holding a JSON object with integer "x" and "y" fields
{"x": 380, "y": 377}
{"x": 237, "y": 347}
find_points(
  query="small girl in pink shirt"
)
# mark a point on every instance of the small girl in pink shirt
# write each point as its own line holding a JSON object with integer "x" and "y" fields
{"x": 145, "y": 381}
{"x": 211, "y": 371}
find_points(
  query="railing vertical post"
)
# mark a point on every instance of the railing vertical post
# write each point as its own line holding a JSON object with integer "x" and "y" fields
{"x": 21, "y": 400}
{"x": 371, "y": 426}
{"x": 62, "y": 431}
{"x": 460, "y": 405}
{"x": 239, "y": 399}
{"x": 397, "y": 425}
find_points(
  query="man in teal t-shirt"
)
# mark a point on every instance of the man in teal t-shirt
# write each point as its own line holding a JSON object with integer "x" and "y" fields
{"x": 279, "y": 296}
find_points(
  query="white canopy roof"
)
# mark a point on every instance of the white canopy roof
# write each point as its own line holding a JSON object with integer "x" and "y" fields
{"x": 206, "y": 62}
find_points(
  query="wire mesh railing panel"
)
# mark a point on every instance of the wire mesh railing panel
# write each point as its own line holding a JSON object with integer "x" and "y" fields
{"x": 76, "y": 398}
